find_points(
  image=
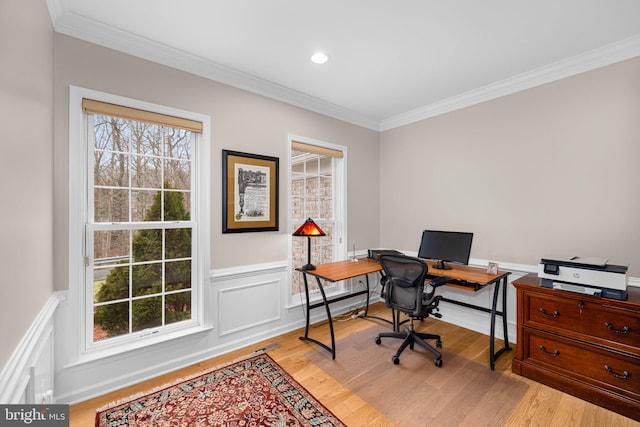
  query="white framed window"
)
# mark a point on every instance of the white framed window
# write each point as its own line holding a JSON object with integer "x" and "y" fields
{"x": 317, "y": 190}
{"x": 139, "y": 221}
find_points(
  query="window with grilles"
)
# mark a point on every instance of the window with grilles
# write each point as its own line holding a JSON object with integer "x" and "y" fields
{"x": 144, "y": 221}
{"x": 315, "y": 193}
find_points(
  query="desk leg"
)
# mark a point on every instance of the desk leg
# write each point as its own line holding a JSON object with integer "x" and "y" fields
{"x": 306, "y": 337}
{"x": 326, "y": 305}
{"x": 366, "y": 307}
{"x": 307, "y": 308}
{"x": 505, "y": 332}
{"x": 493, "y": 355}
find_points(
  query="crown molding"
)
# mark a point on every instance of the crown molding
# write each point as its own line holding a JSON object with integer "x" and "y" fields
{"x": 74, "y": 25}
{"x": 610, "y": 54}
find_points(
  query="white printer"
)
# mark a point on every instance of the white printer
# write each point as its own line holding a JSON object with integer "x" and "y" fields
{"x": 591, "y": 276}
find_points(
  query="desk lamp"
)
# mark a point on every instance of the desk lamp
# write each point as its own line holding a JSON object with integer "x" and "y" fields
{"x": 309, "y": 229}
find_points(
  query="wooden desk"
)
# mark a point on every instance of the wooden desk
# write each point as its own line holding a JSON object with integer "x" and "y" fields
{"x": 462, "y": 277}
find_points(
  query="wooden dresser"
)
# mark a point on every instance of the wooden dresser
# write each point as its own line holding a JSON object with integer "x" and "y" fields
{"x": 585, "y": 346}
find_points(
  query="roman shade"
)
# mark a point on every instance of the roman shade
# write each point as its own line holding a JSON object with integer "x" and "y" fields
{"x": 104, "y": 108}
{"x": 310, "y": 148}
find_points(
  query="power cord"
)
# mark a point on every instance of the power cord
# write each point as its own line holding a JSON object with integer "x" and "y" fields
{"x": 350, "y": 315}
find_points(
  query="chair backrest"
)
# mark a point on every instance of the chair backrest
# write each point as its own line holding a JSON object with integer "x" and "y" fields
{"x": 405, "y": 282}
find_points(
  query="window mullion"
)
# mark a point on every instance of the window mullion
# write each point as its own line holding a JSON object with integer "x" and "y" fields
{"x": 130, "y": 173}
{"x": 130, "y": 289}
{"x": 163, "y": 160}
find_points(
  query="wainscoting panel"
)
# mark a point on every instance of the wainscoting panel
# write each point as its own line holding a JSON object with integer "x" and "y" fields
{"x": 248, "y": 306}
{"x": 28, "y": 376}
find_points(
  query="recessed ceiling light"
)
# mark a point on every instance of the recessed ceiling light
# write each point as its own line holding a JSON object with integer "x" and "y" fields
{"x": 319, "y": 57}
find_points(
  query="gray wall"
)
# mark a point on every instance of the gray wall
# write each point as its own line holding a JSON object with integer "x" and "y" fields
{"x": 26, "y": 167}
{"x": 240, "y": 121}
{"x": 550, "y": 171}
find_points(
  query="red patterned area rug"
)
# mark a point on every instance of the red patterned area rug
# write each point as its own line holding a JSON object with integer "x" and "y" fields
{"x": 254, "y": 391}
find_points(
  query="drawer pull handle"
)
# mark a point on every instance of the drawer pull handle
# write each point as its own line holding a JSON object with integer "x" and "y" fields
{"x": 544, "y": 350}
{"x": 622, "y": 331}
{"x": 550, "y": 316}
{"x": 624, "y": 375}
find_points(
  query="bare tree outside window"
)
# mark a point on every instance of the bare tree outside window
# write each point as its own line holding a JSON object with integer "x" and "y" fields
{"x": 142, "y": 230}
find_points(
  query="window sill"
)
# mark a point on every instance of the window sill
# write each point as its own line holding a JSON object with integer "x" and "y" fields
{"x": 121, "y": 350}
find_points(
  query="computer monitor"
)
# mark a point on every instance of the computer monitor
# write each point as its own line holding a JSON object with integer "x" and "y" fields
{"x": 445, "y": 246}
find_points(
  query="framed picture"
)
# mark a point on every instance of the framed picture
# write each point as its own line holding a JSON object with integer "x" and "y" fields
{"x": 492, "y": 268}
{"x": 249, "y": 192}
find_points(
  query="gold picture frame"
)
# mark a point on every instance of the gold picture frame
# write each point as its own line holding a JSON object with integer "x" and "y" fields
{"x": 249, "y": 192}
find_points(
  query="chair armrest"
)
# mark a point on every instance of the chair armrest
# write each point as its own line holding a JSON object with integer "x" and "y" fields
{"x": 383, "y": 283}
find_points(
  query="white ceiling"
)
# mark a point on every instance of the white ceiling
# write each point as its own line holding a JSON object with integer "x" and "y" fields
{"x": 391, "y": 62}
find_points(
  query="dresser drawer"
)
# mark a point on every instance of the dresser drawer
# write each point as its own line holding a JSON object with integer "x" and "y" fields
{"x": 578, "y": 318}
{"x": 616, "y": 371}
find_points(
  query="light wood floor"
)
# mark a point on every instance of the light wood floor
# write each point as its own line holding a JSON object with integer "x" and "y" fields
{"x": 541, "y": 405}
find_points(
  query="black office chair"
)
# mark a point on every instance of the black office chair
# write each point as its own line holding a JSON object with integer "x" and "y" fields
{"x": 405, "y": 292}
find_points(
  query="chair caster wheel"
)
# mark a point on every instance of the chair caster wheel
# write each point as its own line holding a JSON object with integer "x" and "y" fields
{"x": 439, "y": 344}
{"x": 378, "y": 340}
{"x": 438, "y": 363}
{"x": 395, "y": 360}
